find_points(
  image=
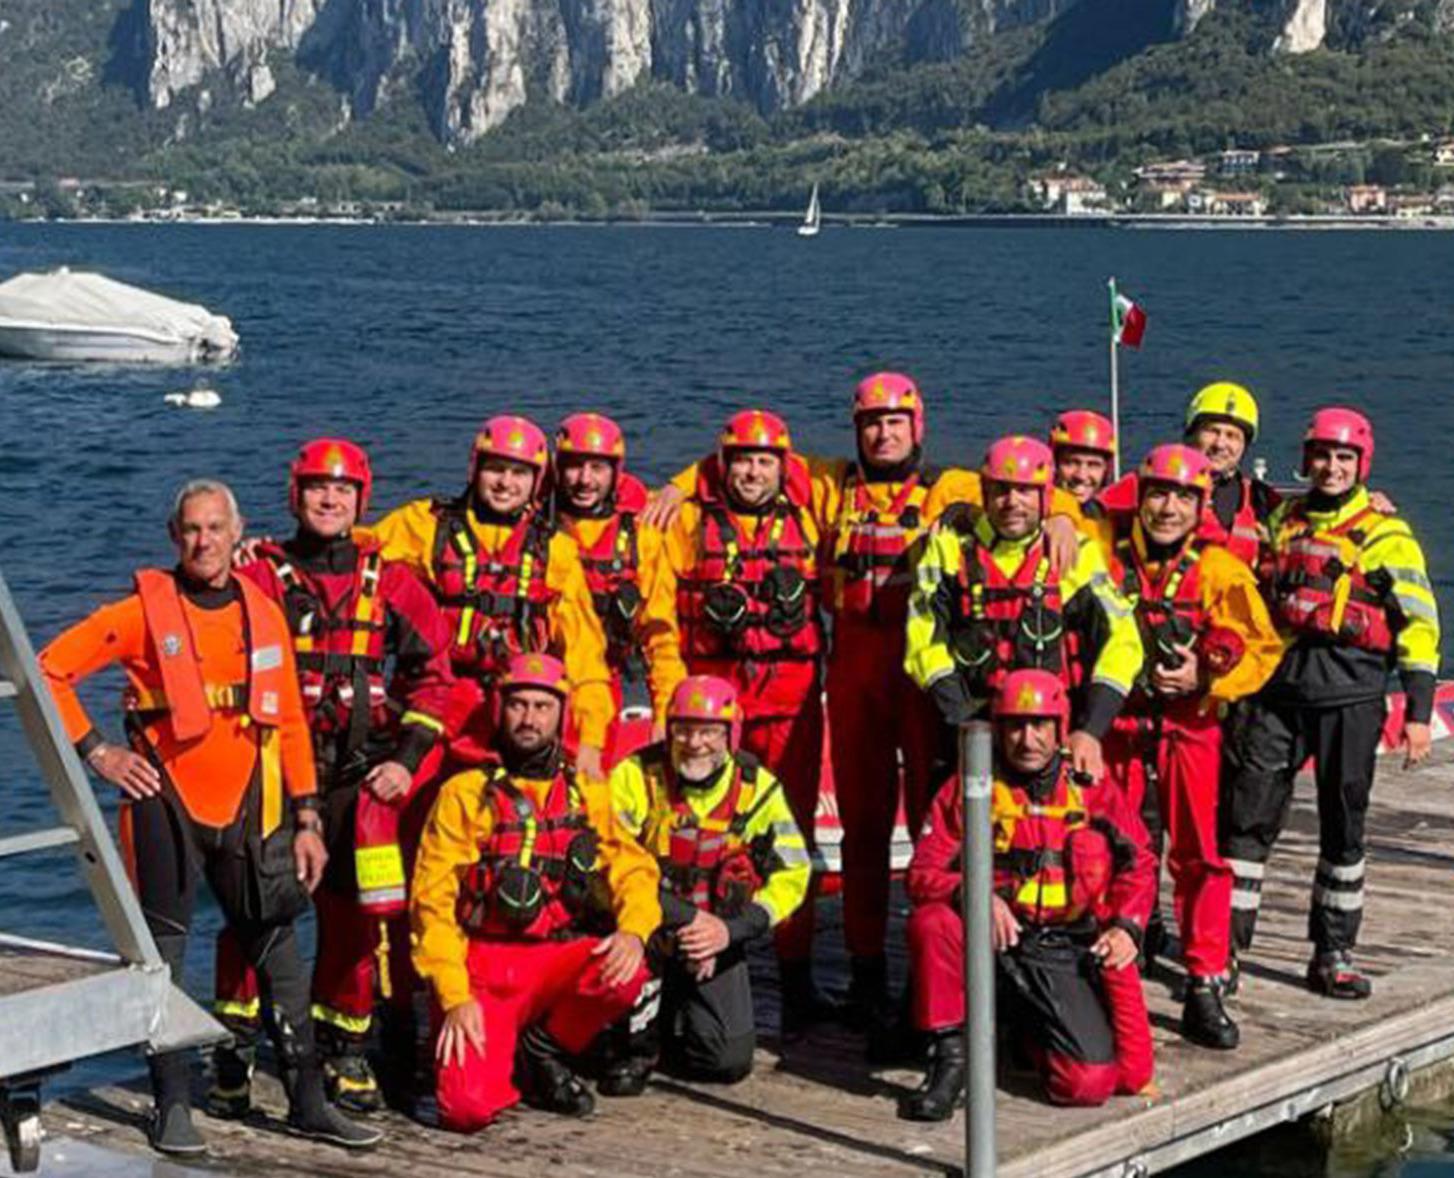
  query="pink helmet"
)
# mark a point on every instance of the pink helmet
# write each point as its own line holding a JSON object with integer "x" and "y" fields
{"x": 1181, "y": 466}
{"x": 1081, "y": 429}
{"x": 890, "y": 392}
{"x": 511, "y": 436}
{"x": 544, "y": 672}
{"x": 1021, "y": 461}
{"x": 591, "y": 434}
{"x": 331, "y": 458}
{"x": 754, "y": 429}
{"x": 1341, "y": 426}
{"x": 705, "y": 697}
{"x": 1033, "y": 694}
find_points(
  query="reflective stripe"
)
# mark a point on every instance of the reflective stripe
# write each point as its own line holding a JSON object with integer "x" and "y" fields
{"x": 1416, "y": 607}
{"x": 648, "y": 1006}
{"x": 247, "y": 1009}
{"x": 1246, "y": 869}
{"x": 1409, "y": 576}
{"x": 424, "y": 721}
{"x": 270, "y": 757}
{"x": 793, "y": 856}
{"x": 1340, "y": 901}
{"x": 1246, "y": 901}
{"x": 1352, "y": 871}
{"x": 344, "y": 1022}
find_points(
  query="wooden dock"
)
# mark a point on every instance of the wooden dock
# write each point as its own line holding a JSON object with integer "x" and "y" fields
{"x": 817, "y": 1108}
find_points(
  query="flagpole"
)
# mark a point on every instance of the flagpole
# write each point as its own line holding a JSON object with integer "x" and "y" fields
{"x": 1115, "y": 388}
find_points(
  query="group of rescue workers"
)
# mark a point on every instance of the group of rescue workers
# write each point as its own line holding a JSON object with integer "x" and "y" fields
{"x": 418, "y": 726}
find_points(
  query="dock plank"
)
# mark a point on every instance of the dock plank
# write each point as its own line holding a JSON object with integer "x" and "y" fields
{"x": 817, "y": 1108}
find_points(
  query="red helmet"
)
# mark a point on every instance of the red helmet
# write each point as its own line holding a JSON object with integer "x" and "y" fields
{"x": 1022, "y": 462}
{"x": 1181, "y": 466}
{"x": 1340, "y": 426}
{"x": 705, "y": 697}
{"x": 754, "y": 429}
{"x": 1033, "y": 694}
{"x": 543, "y": 672}
{"x": 511, "y": 436}
{"x": 890, "y": 392}
{"x": 591, "y": 434}
{"x": 331, "y": 458}
{"x": 1080, "y": 429}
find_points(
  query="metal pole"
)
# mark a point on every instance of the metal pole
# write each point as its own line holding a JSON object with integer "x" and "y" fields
{"x": 1115, "y": 387}
{"x": 979, "y": 959}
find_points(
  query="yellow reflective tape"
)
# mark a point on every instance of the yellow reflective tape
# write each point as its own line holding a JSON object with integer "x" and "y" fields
{"x": 379, "y": 867}
{"x": 424, "y": 721}
{"x": 471, "y": 567}
{"x": 270, "y": 754}
{"x": 381, "y": 954}
{"x": 220, "y": 696}
{"x": 353, "y": 1025}
{"x": 229, "y": 1008}
{"x": 1036, "y": 894}
{"x": 363, "y": 612}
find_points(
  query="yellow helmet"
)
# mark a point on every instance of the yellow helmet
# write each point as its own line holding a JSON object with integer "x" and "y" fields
{"x": 1226, "y": 400}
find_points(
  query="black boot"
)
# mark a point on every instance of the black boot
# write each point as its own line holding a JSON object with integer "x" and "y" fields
{"x": 626, "y": 1076}
{"x": 803, "y": 1006}
{"x": 1334, "y": 975}
{"x": 398, "y": 1070}
{"x": 309, "y": 1113}
{"x": 349, "y": 1077}
{"x": 1153, "y": 942}
{"x": 938, "y": 1096}
{"x": 546, "y": 1079}
{"x": 230, "y": 1096}
{"x": 170, "y": 1129}
{"x": 1204, "y": 1020}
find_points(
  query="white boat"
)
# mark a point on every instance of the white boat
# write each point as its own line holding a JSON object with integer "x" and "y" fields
{"x": 813, "y": 217}
{"x": 78, "y": 316}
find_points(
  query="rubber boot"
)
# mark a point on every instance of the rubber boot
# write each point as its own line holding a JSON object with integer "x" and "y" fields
{"x": 1204, "y": 1020}
{"x": 398, "y": 1070}
{"x": 1334, "y": 975}
{"x": 233, "y": 1062}
{"x": 309, "y": 1113}
{"x": 171, "y": 1130}
{"x": 347, "y": 1073}
{"x": 802, "y": 1005}
{"x": 546, "y": 1079}
{"x": 1153, "y": 942}
{"x": 938, "y": 1096}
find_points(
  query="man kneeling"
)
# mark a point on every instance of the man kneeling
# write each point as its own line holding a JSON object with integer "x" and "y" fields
{"x": 1073, "y": 886}
{"x": 733, "y": 865}
{"x": 519, "y": 875}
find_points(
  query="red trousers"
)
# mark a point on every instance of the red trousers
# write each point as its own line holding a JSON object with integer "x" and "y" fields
{"x": 1086, "y": 1028}
{"x": 1188, "y": 765}
{"x": 518, "y": 983}
{"x": 883, "y": 732}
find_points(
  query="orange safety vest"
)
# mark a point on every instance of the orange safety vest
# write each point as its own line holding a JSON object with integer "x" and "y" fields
{"x": 173, "y": 684}
{"x": 869, "y": 575}
{"x": 497, "y": 603}
{"x": 1050, "y": 865}
{"x": 1320, "y": 587}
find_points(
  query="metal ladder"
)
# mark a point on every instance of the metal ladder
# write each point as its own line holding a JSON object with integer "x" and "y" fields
{"x": 89, "y": 1002}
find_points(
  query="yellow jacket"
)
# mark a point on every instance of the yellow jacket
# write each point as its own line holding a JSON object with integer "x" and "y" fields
{"x": 642, "y": 800}
{"x": 408, "y": 534}
{"x": 1231, "y": 601}
{"x": 1092, "y": 604}
{"x": 459, "y": 825}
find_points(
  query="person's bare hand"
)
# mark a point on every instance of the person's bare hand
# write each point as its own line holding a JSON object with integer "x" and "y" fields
{"x": 589, "y": 763}
{"x": 623, "y": 954}
{"x": 1183, "y": 680}
{"x": 389, "y": 781}
{"x": 1063, "y": 541}
{"x": 1005, "y": 925}
{"x": 705, "y": 937}
{"x": 1085, "y": 755}
{"x": 463, "y": 1028}
{"x": 310, "y": 857}
{"x": 663, "y": 507}
{"x": 1417, "y": 742}
{"x": 130, "y": 772}
{"x": 1115, "y": 948}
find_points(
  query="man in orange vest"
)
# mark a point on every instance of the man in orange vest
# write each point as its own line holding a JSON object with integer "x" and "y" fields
{"x": 1073, "y": 885}
{"x": 218, "y": 782}
{"x": 531, "y": 913}
{"x": 372, "y": 652}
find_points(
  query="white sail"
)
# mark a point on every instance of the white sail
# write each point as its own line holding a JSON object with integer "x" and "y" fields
{"x": 810, "y": 225}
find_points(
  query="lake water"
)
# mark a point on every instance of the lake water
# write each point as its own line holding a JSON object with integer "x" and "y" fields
{"x": 404, "y": 338}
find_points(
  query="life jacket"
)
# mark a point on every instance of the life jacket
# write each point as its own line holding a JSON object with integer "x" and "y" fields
{"x": 172, "y": 684}
{"x": 1319, "y": 584}
{"x": 1169, "y": 609}
{"x": 339, "y": 649}
{"x": 705, "y": 861}
{"x": 869, "y": 574}
{"x": 537, "y": 868}
{"x": 760, "y": 602}
{"x": 1244, "y": 538}
{"x": 1001, "y": 624}
{"x": 1050, "y": 866}
{"x": 497, "y": 603}
{"x": 613, "y": 574}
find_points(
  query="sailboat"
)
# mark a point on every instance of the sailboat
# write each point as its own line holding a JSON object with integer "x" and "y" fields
{"x": 810, "y": 225}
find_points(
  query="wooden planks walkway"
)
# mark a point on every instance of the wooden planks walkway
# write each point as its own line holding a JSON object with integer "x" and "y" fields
{"x": 818, "y": 1109}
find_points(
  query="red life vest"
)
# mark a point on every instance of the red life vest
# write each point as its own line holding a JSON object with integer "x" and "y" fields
{"x": 1002, "y": 624}
{"x": 338, "y": 624}
{"x": 1244, "y": 539}
{"x": 497, "y": 603}
{"x": 1169, "y": 609}
{"x": 704, "y": 861}
{"x": 760, "y": 602}
{"x": 613, "y": 574}
{"x": 527, "y": 881}
{"x": 869, "y": 575}
{"x": 1320, "y": 586}
{"x": 1050, "y": 866}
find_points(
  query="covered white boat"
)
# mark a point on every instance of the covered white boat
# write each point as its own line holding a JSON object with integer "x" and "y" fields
{"x": 75, "y": 316}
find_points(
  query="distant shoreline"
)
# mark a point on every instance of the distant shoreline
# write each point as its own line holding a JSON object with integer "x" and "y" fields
{"x": 766, "y": 219}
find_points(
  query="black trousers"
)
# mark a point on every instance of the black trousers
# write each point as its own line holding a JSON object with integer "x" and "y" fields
{"x": 170, "y": 853}
{"x": 1264, "y": 749}
{"x": 702, "y": 1030}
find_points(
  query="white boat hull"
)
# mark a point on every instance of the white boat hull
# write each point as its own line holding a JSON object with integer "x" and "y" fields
{"x": 92, "y": 345}
{"x": 807, "y": 231}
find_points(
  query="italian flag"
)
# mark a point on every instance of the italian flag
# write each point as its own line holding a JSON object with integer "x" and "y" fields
{"x": 1128, "y": 320}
